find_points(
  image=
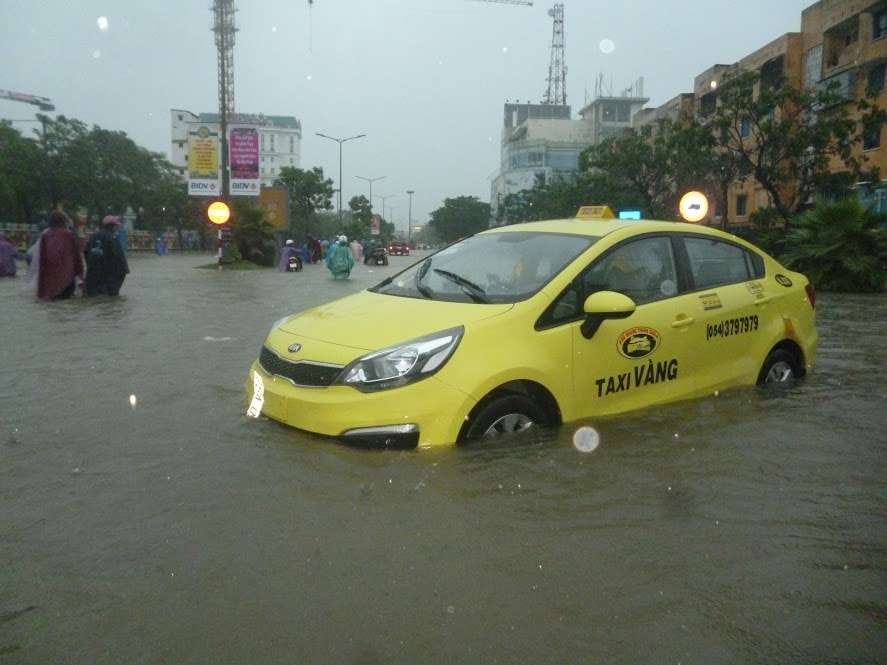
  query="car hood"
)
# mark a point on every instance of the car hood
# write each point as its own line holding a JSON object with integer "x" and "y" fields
{"x": 368, "y": 321}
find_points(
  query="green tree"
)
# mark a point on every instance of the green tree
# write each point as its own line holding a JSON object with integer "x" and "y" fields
{"x": 309, "y": 192}
{"x": 789, "y": 140}
{"x": 460, "y": 217}
{"x": 252, "y": 236}
{"x": 652, "y": 167}
{"x": 22, "y": 195}
{"x": 840, "y": 246}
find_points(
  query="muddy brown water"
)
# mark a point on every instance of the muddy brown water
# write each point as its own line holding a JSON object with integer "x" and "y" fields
{"x": 747, "y": 527}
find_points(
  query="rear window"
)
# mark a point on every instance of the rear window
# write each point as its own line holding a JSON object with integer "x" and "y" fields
{"x": 716, "y": 262}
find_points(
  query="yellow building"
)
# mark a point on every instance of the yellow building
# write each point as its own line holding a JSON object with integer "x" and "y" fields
{"x": 842, "y": 41}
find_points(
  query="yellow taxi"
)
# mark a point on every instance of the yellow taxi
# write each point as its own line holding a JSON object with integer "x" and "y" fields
{"x": 537, "y": 324}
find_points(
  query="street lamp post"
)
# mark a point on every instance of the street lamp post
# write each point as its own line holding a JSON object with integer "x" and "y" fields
{"x": 410, "y": 219}
{"x": 340, "y": 142}
{"x": 391, "y": 209}
{"x": 383, "y": 202}
{"x": 371, "y": 181}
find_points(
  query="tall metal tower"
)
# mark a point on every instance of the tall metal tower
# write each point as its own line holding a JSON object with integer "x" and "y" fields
{"x": 557, "y": 70}
{"x": 223, "y": 26}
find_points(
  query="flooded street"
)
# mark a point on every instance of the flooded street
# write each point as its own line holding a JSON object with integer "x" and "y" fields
{"x": 170, "y": 528}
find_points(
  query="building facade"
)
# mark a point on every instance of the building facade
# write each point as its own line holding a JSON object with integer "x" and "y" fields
{"x": 541, "y": 142}
{"x": 841, "y": 41}
{"x": 280, "y": 140}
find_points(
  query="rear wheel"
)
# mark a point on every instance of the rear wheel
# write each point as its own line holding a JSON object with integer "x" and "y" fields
{"x": 508, "y": 414}
{"x": 779, "y": 367}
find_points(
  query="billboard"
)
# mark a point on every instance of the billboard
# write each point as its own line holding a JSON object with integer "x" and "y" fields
{"x": 243, "y": 160}
{"x": 204, "y": 174}
{"x": 274, "y": 201}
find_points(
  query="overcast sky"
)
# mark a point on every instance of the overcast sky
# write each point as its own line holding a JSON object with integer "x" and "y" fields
{"x": 425, "y": 80}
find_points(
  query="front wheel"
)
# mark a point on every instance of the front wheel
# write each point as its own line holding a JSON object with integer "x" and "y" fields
{"x": 504, "y": 415}
{"x": 779, "y": 367}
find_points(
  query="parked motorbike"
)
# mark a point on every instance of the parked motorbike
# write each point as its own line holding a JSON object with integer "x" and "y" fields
{"x": 380, "y": 256}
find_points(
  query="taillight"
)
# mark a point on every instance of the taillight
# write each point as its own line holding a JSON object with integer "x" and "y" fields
{"x": 811, "y": 295}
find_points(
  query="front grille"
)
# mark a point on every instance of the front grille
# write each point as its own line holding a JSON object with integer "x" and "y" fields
{"x": 302, "y": 372}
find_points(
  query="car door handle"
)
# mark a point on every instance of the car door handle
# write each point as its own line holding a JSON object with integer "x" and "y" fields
{"x": 762, "y": 300}
{"x": 682, "y": 321}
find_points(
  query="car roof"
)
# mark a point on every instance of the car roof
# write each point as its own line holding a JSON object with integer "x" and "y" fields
{"x": 602, "y": 227}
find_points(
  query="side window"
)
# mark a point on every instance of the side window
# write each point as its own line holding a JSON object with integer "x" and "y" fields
{"x": 644, "y": 270}
{"x": 714, "y": 262}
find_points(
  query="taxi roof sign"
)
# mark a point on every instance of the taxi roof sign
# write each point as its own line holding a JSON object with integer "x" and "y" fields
{"x": 595, "y": 212}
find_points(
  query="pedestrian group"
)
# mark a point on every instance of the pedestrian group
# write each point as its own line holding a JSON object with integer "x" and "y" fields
{"x": 60, "y": 261}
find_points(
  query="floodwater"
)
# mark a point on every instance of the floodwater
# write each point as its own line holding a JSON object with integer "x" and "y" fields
{"x": 145, "y": 519}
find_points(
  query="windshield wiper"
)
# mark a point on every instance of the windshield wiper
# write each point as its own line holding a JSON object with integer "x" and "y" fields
{"x": 475, "y": 292}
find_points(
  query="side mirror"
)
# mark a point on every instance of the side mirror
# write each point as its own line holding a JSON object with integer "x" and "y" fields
{"x": 603, "y": 305}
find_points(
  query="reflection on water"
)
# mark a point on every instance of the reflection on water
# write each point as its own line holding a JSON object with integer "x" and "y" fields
{"x": 744, "y": 527}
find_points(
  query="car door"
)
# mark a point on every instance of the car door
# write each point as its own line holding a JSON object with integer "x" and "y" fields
{"x": 645, "y": 358}
{"x": 727, "y": 283}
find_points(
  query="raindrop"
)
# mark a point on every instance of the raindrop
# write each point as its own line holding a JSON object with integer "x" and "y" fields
{"x": 607, "y": 46}
{"x": 586, "y": 439}
{"x": 103, "y": 24}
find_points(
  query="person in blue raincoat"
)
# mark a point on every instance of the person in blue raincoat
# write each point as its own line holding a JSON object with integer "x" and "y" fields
{"x": 339, "y": 260}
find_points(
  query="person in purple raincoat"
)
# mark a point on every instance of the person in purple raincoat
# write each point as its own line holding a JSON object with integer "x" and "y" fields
{"x": 8, "y": 256}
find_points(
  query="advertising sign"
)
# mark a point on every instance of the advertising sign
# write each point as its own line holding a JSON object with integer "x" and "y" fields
{"x": 375, "y": 223}
{"x": 274, "y": 201}
{"x": 243, "y": 159}
{"x": 204, "y": 174}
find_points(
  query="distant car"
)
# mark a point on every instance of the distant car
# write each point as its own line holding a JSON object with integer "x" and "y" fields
{"x": 397, "y": 248}
{"x": 538, "y": 324}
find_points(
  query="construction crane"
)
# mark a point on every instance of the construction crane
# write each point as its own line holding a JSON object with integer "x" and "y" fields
{"x": 42, "y": 103}
{"x": 510, "y": 2}
{"x": 556, "y": 94}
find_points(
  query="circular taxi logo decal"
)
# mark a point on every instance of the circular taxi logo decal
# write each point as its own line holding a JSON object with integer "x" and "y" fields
{"x": 782, "y": 279}
{"x": 638, "y": 342}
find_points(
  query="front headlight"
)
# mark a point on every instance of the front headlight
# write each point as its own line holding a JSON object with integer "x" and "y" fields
{"x": 401, "y": 364}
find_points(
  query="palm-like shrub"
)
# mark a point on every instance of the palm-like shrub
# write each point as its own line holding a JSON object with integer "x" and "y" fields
{"x": 840, "y": 246}
{"x": 253, "y": 237}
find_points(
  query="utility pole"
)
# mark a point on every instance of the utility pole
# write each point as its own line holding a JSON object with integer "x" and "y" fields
{"x": 340, "y": 142}
{"x": 410, "y": 219}
{"x": 371, "y": 181}
{"x": 383, "y": 203}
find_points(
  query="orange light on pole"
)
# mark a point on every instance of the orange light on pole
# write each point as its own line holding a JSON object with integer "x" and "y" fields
{"x": 693, "y": 207}
{"x": 218, "y": 212}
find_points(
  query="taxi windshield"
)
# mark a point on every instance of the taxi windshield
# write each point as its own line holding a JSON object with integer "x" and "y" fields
{"x": 489, "y": 268}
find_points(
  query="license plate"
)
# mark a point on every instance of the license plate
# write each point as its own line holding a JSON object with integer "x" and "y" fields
{"x": 258, "y": 400}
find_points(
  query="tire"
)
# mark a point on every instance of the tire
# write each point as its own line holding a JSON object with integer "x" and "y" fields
{"x": 504, "y": 415}
{"x": 779, "y": 367}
